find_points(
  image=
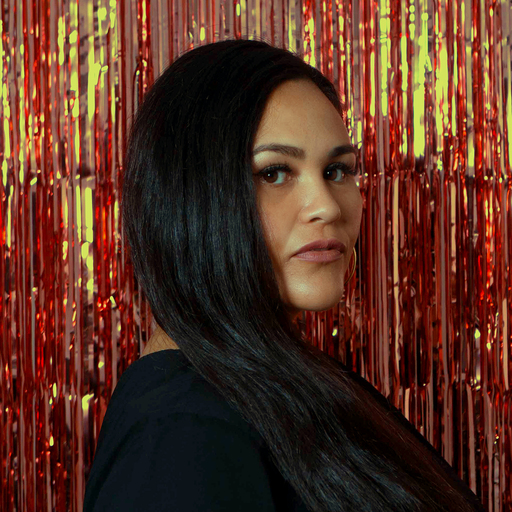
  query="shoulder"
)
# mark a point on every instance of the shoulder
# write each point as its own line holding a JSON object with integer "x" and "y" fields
{"x": 183, "y": 461}
{"x": 193, "y": 399}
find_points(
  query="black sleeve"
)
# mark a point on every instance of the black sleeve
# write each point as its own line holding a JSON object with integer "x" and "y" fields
{"x": 188, "y": 463}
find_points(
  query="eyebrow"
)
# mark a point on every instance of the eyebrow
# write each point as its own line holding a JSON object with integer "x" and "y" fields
{"x": 299, "y": 153}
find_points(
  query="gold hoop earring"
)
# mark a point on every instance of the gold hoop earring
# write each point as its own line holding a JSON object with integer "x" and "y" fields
{"x": 354, "y": 268}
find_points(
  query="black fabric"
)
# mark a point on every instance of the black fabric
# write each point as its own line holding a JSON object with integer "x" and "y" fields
{"x": 170, "y": 442}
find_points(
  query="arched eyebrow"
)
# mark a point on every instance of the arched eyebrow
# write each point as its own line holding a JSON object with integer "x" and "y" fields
{"x": 299, "y": 153}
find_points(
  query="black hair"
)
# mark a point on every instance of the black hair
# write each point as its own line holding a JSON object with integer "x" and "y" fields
{"x": 198, "y": 250}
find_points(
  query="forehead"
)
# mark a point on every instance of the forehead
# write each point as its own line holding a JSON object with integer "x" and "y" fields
{"x": 299, "y": 110}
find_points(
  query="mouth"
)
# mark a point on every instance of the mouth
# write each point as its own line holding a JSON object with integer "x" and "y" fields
{"x": 320, "y": 255}
{"x": 322, "y": 245}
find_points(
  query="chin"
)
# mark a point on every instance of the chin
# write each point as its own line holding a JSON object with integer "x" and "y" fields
{"x": 302, "y": 301}
{"x": 317, "y": 306}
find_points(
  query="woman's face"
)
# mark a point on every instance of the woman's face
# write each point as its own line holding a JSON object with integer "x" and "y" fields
{"x": 317, "y": 199}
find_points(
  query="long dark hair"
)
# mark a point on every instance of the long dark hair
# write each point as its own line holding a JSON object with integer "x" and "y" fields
{"x": 199, "y": 253}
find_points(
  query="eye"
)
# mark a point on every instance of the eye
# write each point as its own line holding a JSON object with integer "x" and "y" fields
{"x": 332, "y": 169}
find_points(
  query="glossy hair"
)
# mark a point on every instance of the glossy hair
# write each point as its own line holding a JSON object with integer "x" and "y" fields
{"x": 199, "y": 253}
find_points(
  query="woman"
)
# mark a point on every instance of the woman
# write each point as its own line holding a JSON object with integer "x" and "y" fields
{"x": 238, "y": 158}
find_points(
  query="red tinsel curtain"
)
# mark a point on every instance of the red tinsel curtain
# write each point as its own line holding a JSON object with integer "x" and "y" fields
{"x": 427, "y": 316}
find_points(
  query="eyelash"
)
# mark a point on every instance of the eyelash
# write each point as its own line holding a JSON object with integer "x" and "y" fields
{"x": 347, "y": 169}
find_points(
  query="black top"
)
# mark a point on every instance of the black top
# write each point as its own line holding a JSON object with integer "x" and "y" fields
{"x": 170, "y": 442}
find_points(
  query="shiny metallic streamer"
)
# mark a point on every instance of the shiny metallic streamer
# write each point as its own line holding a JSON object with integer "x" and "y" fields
{"x": 427, "y": 316}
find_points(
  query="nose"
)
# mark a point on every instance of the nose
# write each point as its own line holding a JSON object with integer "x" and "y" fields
{"x": 319, "y": 202}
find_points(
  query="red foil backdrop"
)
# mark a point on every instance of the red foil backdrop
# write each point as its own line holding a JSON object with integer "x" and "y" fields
{"x": 426, "y": 318}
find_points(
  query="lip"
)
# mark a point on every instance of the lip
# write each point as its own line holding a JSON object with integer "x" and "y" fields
{"x": 320, "y": 256}
{"x": 327, "y": 244}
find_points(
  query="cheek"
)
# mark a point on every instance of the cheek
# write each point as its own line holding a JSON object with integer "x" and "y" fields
{"x": 270, "y": 227}
{"x": 351, "y": 206}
